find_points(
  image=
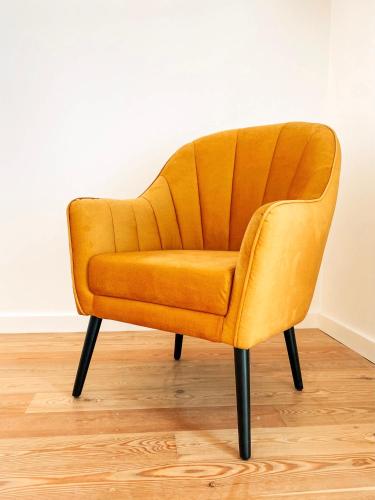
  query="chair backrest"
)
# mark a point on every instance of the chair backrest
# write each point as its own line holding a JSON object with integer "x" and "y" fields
{"x": 208, "y": 190}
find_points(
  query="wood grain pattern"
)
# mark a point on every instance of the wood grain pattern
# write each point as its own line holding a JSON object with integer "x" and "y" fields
{"x": 148, "y": 427}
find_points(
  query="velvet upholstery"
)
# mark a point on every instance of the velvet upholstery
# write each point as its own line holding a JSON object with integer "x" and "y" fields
{"x": 190, "y": 279}
{"x": 225, "y": 244}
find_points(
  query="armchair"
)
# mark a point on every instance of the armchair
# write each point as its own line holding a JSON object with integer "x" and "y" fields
{"x": 225, "y": 245}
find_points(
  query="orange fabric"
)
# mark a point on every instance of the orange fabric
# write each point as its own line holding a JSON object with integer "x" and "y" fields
{"x": 173, "y": 319}
{"x": 189, "y": 279}
{"x": 268, "y": 192}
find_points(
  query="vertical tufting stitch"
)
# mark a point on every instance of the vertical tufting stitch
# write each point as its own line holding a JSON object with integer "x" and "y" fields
{"x": 156, "y": 221}
{"x": 199, "y": 198}
{"x": 231, "y": 194}
{"x": 215, "y": 158}
{"x": 271, "y": 162}
{"x": 174, "y": 208}
{"x": 113, "y": 226}
{"x": 300, "y": 160}
{"x": 136, "y": 225}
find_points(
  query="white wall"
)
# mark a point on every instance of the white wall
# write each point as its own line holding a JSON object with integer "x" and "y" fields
{"x": 348, "y": 274}
{"x": 95, "y": 95}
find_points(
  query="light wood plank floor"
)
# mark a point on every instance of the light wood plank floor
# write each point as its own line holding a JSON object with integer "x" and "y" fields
{"x": 149, "y": 427}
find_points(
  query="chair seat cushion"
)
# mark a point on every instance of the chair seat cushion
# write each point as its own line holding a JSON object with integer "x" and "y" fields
{"x": 198, "y": 280}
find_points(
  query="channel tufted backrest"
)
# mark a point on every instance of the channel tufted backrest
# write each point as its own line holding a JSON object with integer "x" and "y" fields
{"x": 205, "y": 198}
{"x": 207, "y": 192}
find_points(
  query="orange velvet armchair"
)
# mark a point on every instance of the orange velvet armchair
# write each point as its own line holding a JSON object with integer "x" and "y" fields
{"x": 225, "y": 245}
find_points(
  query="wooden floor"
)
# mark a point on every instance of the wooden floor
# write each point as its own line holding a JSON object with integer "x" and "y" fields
{"x": 149, "y": 427}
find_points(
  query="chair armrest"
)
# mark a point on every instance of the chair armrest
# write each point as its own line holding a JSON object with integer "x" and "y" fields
{"x": 278, "y": 266}
{"x": 103, "y": 225}
{"x": 91, "y": 232}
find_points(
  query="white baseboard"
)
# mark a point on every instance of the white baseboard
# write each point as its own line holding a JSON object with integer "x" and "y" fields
{"x": 57, "y": 323}
{"x": 71, "y": 322}
{"x": 358, "y": 341}
{"x": 311, "y": 321}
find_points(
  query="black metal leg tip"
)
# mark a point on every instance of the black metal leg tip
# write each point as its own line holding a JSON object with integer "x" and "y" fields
{"x": 245, "y": 455}
{"x": 76, "y": 394}
{"x": 299, "y": 387}
{"x": 178, "y": 346}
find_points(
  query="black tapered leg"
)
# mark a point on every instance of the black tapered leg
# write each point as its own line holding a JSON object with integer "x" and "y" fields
{"x": 242, "y": 371}
{"x": 178, "y": 346}
{"x": 291, "y": 345}
{"x": 87, "y": 350}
